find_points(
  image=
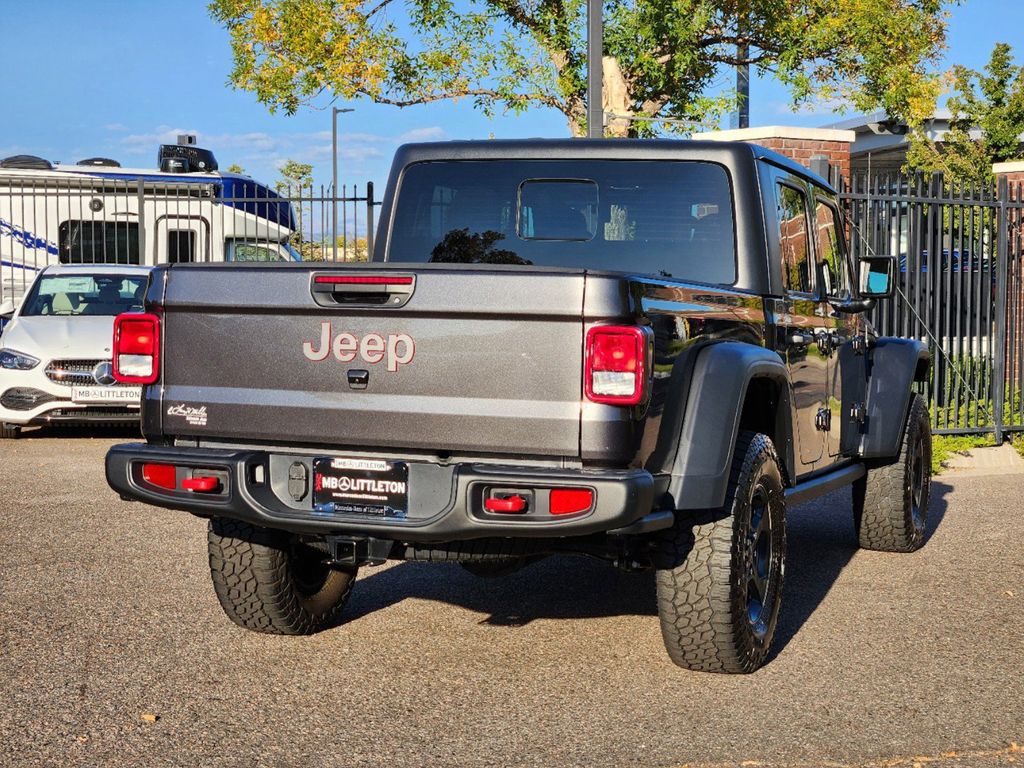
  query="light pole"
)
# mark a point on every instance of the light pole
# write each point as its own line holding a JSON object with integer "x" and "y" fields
{"x": 595, "y": 70}
{"x": 334, "y": 186}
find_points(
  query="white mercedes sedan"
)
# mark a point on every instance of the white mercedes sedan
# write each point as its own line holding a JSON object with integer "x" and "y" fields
{"x": 55, "y": 360}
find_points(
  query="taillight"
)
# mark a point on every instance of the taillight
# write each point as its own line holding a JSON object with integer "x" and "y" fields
{"x": 160, "y": 475}
{"x": 569, "y": 501}
{"x": 136, "y": 348}
{"x": 615, "y": 368}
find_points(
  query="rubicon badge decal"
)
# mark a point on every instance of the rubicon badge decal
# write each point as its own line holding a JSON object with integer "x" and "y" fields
{"x": 395, "y": 349}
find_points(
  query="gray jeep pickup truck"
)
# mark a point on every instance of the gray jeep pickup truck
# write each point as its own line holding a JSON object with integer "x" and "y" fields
{"x": 641, "y": 351}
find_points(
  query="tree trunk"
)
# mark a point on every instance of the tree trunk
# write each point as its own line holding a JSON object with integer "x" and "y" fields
{"x": 615, "y": 100}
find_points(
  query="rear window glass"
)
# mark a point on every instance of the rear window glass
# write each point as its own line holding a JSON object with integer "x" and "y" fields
{"x": 667, "y": 217}
{"x": 106, "y": 295}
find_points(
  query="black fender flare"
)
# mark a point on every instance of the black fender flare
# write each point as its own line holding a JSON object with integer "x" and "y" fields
{"x": 893, "y": 367}
{"x": 722, "y": 374}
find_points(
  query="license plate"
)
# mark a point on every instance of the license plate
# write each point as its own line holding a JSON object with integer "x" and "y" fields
{"x": 106, "y": 394}
{"x": 361, "y": 487}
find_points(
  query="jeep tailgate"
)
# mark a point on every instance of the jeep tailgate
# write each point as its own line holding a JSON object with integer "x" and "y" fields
{"x": 468, "y": 360}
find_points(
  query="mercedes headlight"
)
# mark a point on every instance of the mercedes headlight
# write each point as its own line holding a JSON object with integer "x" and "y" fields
{"x": 17, "y": 361}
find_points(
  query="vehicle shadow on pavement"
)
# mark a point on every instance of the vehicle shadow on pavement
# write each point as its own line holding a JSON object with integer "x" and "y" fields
{"x": 821, "y": 544}
{"x": 557, "y": 587}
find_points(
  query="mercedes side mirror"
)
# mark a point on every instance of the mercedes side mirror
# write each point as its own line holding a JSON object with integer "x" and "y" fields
{"x": 877, "y": 277}
{"x": 7, "y": 309}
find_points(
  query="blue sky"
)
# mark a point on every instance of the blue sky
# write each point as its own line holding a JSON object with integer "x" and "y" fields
{"x": 116, "y": 78}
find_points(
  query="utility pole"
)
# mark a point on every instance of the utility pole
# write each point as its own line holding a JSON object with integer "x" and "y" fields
{"x": 335, "y": 111}
{"x": 742, "y": 88}
{"x": 595, "y": 70}
{"x": 741, "y": 117}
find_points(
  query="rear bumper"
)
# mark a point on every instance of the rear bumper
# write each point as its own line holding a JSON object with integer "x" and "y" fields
{"x": 444, "y": 504}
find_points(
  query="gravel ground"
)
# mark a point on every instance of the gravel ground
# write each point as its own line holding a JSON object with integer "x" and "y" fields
{"x": 114, "y": 651}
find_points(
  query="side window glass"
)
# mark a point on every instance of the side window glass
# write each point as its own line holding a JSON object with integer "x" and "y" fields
{"x": 830, "y": 250}
{"x": 181, "y": 246}
{"x": 793, "y": 239}
{"x": 253, "y": 252}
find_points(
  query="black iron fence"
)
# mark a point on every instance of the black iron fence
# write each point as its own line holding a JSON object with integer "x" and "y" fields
{"x": 960, "y": 254}
{"x": 959, "y": 248}
{"x": 333, "y": 228}
{"x": 69, "y": 218}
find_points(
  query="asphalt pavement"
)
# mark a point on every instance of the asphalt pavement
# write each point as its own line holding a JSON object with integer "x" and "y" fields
{"x": 114, "y": 650}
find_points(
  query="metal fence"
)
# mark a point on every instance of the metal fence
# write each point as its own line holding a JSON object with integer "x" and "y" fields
{"x": 67, "y": 219}
{"x": 333, "y": 228}
{"x": 960, "y": 254}
{"x": 960, "y": 251}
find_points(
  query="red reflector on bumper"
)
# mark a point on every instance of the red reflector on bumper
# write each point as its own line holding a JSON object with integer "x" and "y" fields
{"x": 569, "y": 501}
{"x": 160, "y": 475}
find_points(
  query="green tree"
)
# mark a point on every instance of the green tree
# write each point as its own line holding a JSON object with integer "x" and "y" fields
{"x": 235, "y": 168}
{"x": 296, "y": 182}
{"x": 662, "y": 57}
{"x": 294, "y": 176}
{"x": 990, "y": 103}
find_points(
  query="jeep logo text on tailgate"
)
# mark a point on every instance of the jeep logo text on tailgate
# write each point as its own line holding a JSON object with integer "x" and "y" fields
{"x": 397, "y": 348}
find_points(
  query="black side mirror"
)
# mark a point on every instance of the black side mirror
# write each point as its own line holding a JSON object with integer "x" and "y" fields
{"x": 845, "y": 304}
{"x": 877, "y": 277}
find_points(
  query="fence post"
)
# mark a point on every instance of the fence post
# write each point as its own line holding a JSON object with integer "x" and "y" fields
{"x": 141, "y": 192}
{"x": 369, "y": 221}
{"x": 999, "y": 353}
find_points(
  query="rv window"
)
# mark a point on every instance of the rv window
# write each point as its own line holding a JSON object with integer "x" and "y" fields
{"x": 253, "y": 252}
{"x": 181, "y": 246}
{"x": 99, "y": 242}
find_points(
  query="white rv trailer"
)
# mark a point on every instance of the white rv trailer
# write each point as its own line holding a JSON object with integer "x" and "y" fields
{"x": 98, "y": 212}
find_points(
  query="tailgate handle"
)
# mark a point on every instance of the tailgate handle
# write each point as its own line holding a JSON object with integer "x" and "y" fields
{"x": 383, "y": 290}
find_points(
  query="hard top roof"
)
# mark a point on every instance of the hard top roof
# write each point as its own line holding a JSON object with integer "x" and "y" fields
{"x": 598, "y": 149}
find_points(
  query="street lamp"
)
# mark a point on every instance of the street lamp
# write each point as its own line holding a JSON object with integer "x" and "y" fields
{"x": 334, "y": 187}
{"x": 595, "y": 69}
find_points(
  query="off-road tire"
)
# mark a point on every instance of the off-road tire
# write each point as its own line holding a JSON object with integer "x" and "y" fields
{"x": 890, "y": 503}
{"x": 9, "y": 431}
{"x": 269, "y": 581}
{"x": 705, "y": 603}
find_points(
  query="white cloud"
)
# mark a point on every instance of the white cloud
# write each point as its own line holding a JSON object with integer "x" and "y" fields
{"x": 115, "y": 127}
{"x": 431, "y": 133}
{"x": 144, "y": 143}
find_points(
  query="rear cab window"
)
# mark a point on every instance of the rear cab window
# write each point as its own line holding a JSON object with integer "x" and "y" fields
{"x": 669, "y": 218}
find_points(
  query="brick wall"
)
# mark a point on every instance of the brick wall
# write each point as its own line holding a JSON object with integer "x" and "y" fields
{"x": 802, "y": 150}
{"x": 799, "y": 144}
{"x": 1013, "y": 172}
